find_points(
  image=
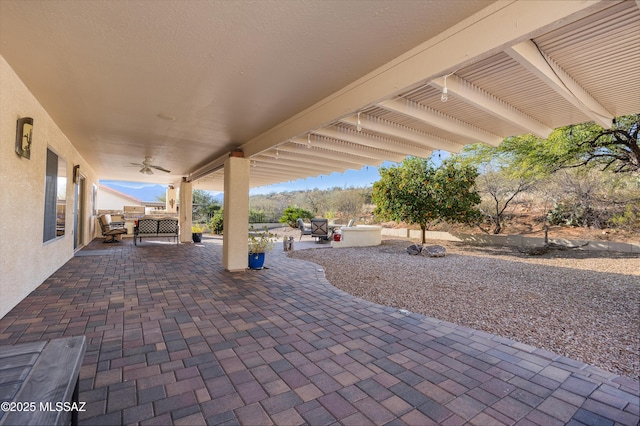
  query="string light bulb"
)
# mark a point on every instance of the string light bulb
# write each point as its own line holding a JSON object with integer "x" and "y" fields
{"x": 359, "y": 124}
{"x": 308, "y": 140}
{"x": 444, "y": 97}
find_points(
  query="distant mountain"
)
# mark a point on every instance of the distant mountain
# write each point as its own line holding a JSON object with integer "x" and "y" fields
{"x": 147, "y": 192}
{"x": 143, "y": 191}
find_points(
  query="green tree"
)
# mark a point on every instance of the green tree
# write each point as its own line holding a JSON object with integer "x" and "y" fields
{"x": 614, "y": 149}
{"x": 416, "y": 192}
{"x": 502, "y": 180}
{"x": 292, "y": 213}
{"x": 498, "y": 190}
{"x": 523, "y": 162}
{"x": 581, "y": 145}
{"x": 204, "y": 205}
{"x": 271, "y": 206}
{"x": 316, "y": 199}
{"x": 348, "y": 202}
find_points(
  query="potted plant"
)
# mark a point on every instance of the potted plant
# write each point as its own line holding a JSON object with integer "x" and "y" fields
{"x": 259, "y": 243}
{"x": 196, "y": 232}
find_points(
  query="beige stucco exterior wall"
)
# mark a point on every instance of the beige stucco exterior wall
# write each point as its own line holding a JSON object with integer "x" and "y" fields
{"x": 110, "y": 201}
{"x": 25, "y": 261}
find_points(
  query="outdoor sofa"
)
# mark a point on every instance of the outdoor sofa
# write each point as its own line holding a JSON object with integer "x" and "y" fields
{"x": 155, "y": 227}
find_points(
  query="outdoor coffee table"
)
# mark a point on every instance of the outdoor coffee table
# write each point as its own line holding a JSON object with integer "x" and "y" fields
{"x": 39, "y": 382}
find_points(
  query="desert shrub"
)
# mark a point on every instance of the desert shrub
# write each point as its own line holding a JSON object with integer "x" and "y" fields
{"x": 216, "y": 222}
{"x": 578, "y": 215}
{"x": 628, "y": 220}
{"x": 292, "y": 213}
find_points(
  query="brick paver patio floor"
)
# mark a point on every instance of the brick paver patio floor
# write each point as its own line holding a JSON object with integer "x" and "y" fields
{"x": 174, "y": 339}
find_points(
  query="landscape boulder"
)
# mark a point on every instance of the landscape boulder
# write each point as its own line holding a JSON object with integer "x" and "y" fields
{"x": 434, "y": 251}
{"x": 414, "y": 249}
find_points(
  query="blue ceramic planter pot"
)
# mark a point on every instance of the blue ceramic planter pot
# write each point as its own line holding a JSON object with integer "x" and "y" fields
{"x": 256, "y": 260}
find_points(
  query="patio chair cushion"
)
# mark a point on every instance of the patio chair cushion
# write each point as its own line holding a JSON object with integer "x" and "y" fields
{"x": 111, "y": 229}
{"x": 147, "y": 226}
{"x": 167, "y": 227}
{"x": 304, "y": 230}
{"x": 320, "y": 228}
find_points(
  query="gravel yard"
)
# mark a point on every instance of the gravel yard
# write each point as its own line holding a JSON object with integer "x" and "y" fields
{"x": 584, "y": 305}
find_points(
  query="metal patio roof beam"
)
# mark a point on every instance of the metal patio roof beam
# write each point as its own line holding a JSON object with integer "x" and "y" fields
{"x": 268, "y": 179}
{"x": 309, "y": 157}
{"x": 321, "y": 154}
{"x": 264, "y": 174}
{"x": 350, "y": 148}
{"x": 373, "y": 141}
{"x": 543, "y": 67}
{"x": 272, "y": 163}
{"x": 289, "y": 163}
{"x": 397, "y": 131}
{"x": 487, "y": 102}
{"x": 273, "y": 179}
{"x": 434, "y": 118}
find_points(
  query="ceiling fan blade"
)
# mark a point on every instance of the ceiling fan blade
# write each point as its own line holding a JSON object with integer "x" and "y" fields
{"x": 162, "y": 169}
{"x": 137, "y": 164}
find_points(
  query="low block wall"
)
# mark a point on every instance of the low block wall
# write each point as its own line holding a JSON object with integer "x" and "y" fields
{"x": 359, "y": 236}
{"x": 513, "y": 240}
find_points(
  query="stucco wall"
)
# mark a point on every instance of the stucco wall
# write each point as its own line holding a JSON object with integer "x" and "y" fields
{"x": 110, "y": 201}
{"x": 25, "y": 261}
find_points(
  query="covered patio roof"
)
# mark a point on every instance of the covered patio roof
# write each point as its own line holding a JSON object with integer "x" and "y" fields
{"x": 309, "y": 88}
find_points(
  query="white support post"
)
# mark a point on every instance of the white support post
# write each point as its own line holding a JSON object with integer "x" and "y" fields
{"x": 186, "y": 201}
{"x": 236, "y": 214}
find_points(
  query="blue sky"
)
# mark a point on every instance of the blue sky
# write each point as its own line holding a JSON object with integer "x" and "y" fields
{"x": 364, "y": 177}
{"x": 139, "y": 190}
{"x": 351, "y": 178}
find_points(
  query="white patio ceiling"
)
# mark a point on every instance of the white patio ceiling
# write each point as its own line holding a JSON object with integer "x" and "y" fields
{"x": 288, "y": 82}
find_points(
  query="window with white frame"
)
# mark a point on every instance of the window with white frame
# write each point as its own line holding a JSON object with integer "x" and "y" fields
{"x": 55, "y": 197}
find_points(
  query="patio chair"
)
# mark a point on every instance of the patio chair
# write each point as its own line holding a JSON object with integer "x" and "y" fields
{"x": 111, "y": 230}
{"x": 320, "y": 229}
{"x": 304, "y": 230}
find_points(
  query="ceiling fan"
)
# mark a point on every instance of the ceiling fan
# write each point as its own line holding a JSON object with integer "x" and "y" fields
{"x": 147, "y": 166}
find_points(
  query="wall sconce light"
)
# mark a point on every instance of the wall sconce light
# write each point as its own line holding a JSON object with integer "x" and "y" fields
{"x": 24, "y": 132}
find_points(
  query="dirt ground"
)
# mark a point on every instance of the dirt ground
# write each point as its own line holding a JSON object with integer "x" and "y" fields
{"x": 531, "y": 224}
